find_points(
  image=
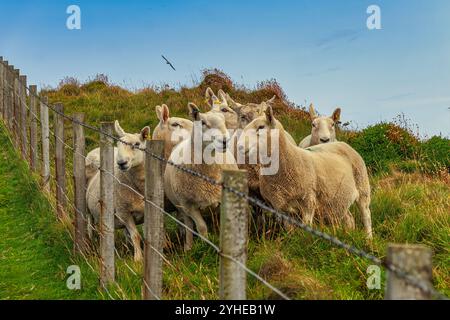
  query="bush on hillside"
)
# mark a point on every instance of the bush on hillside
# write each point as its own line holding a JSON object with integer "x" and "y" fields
{"x": 70, "y": 86}
{"x": 216, "y": 79}
{"x": 384, "y": 144}
{"x": 435, "y": 154}
{"x": 99, "y": 83}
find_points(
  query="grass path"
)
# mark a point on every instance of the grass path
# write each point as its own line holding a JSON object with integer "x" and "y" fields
{"x": 34, "y": 247}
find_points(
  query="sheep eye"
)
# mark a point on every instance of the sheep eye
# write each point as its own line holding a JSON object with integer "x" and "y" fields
{"x": 314, "y": 125}
{"x": 203, "y": 123}
{"x": 333, "y": 124}
{"x": 261, "y": 127}
{"x": 137, "y": 144}
{"x": 224, "y": 110}
{"x": 175, "y": 125}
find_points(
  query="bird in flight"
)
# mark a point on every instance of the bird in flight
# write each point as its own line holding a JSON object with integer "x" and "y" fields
{"x": 169, "y": 63}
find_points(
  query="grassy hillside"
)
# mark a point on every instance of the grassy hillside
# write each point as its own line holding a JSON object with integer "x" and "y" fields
{"x": 411, "y": 199}
{"x": 34, "y": 246}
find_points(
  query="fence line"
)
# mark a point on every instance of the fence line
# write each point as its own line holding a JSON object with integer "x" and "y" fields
{"x": 20, "y": 138}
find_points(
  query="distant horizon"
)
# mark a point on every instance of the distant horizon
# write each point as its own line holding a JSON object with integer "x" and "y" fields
{"x": 319, "y": 52}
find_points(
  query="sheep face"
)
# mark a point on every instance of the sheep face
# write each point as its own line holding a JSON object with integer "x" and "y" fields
{"x": 171, "y": 130}
{"x": 221, "y": 106}
{"x": 209, "y": 127}
{"x": 258, "y": 132}
{"x": 323, "y": 128}
{"x": 246, "y": 113}
{"x": 128, "y": 154}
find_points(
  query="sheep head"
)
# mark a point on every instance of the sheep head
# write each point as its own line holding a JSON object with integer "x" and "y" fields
{"x": 172, "y": 130}
{"x": 259, "y": 131}
{"x": 209, "y": 126}
{"x": 128, "y": 153}
{"x": 220, "y": 105}
{"x": 323, "y": 128}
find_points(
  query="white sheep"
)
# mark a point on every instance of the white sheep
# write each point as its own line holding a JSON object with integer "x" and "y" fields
{"x": 92, "y": 163}
{"x": 323, "y": 129}
{"x": 170, "y": 129}
{"x": 221, "y": 106}
{"x": 192, "y": 195}
{"x": 128, "y": 207}
{"x": 325, "y": 179}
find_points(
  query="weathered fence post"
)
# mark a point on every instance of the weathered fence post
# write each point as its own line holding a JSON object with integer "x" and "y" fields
{"x": 23, "y": 118}
{"x": 107, "y": 274}
{"x": 415, "y": 260}
{"x": 233, "y": 236}
{"x": 154, "y": 234}
{"x": 33, "y": 129}
{"x": 79, "y": 178}
{"x": 2, "y": 89}
{"x": 8, "y": 95}
{"x": 45, "y": 136}
{"x": 5, "y": 91}
{"x": 60, "y": 160}
{"x": 16, "y": 93}
{"x": 11, "y": 101}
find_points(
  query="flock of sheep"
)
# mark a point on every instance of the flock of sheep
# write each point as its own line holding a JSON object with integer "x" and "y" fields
{"x": 318, "y": 179}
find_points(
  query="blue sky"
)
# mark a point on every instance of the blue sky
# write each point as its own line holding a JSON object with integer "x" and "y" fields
{"x": 319, "y": 51}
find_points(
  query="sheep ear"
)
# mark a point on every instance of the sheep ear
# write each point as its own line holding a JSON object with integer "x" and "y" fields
{"x": 194, "y": 111}
{"x": 165, "y": 113}
{"x": 269, "y": 113}
{"x": 158, "y": 110}
{"x": 223, "y": 96}
{"x": 336, "y": 115}
{"x": 145, "y": 133}
{"x": 229, "y": 100}
{"x": 120, "y": 132}
{"x": 312, "y": 112}
{"x": 210, "y": 97}
{"x": 272, "y": 100}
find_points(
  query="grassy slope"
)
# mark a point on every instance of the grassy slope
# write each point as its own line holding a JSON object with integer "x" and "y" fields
{"x": 405, "y": 207}
{"x": 34, "y": 247}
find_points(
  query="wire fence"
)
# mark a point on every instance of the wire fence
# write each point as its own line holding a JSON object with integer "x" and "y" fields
{"x": 16, "y": 100}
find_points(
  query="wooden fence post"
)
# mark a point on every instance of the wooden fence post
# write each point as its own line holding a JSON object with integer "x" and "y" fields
{"x": 107, "y": 274}
{"x": 79, "y": 178}
{"x": 16, "y": 93}
{"x": 233, "y": 236}
{"x": 5, "y": 91}
{"x": 11, "y": 101}
{"x": 2, "y": 88}
{"x": 45, "y": 135}
{"x": 9, "y": 84}
{"x": 60, "y": 161}
{"x": 23, "y": 117}
{"x": 415, "y": 260}
{"x": 34, "y": 149}
{"x": 154, "y": 234}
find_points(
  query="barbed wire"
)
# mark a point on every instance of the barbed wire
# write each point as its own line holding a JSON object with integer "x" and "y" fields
{"x": 281, "y": 215}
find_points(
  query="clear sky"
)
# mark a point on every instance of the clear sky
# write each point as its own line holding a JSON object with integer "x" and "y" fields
{"x": 319, "y": 51}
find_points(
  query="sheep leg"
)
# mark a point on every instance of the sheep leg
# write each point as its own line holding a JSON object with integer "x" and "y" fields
{"x": 200, "y": 224}
{"x": 349, "y": 221}
{"x": 135, "y": 238}
{"x": 90, "y": 227}
{"x": 363, "y": 206}
{"x": 189, "y": 236}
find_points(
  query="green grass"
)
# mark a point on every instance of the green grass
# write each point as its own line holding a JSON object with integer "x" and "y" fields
{"x": 34, "y": 246}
